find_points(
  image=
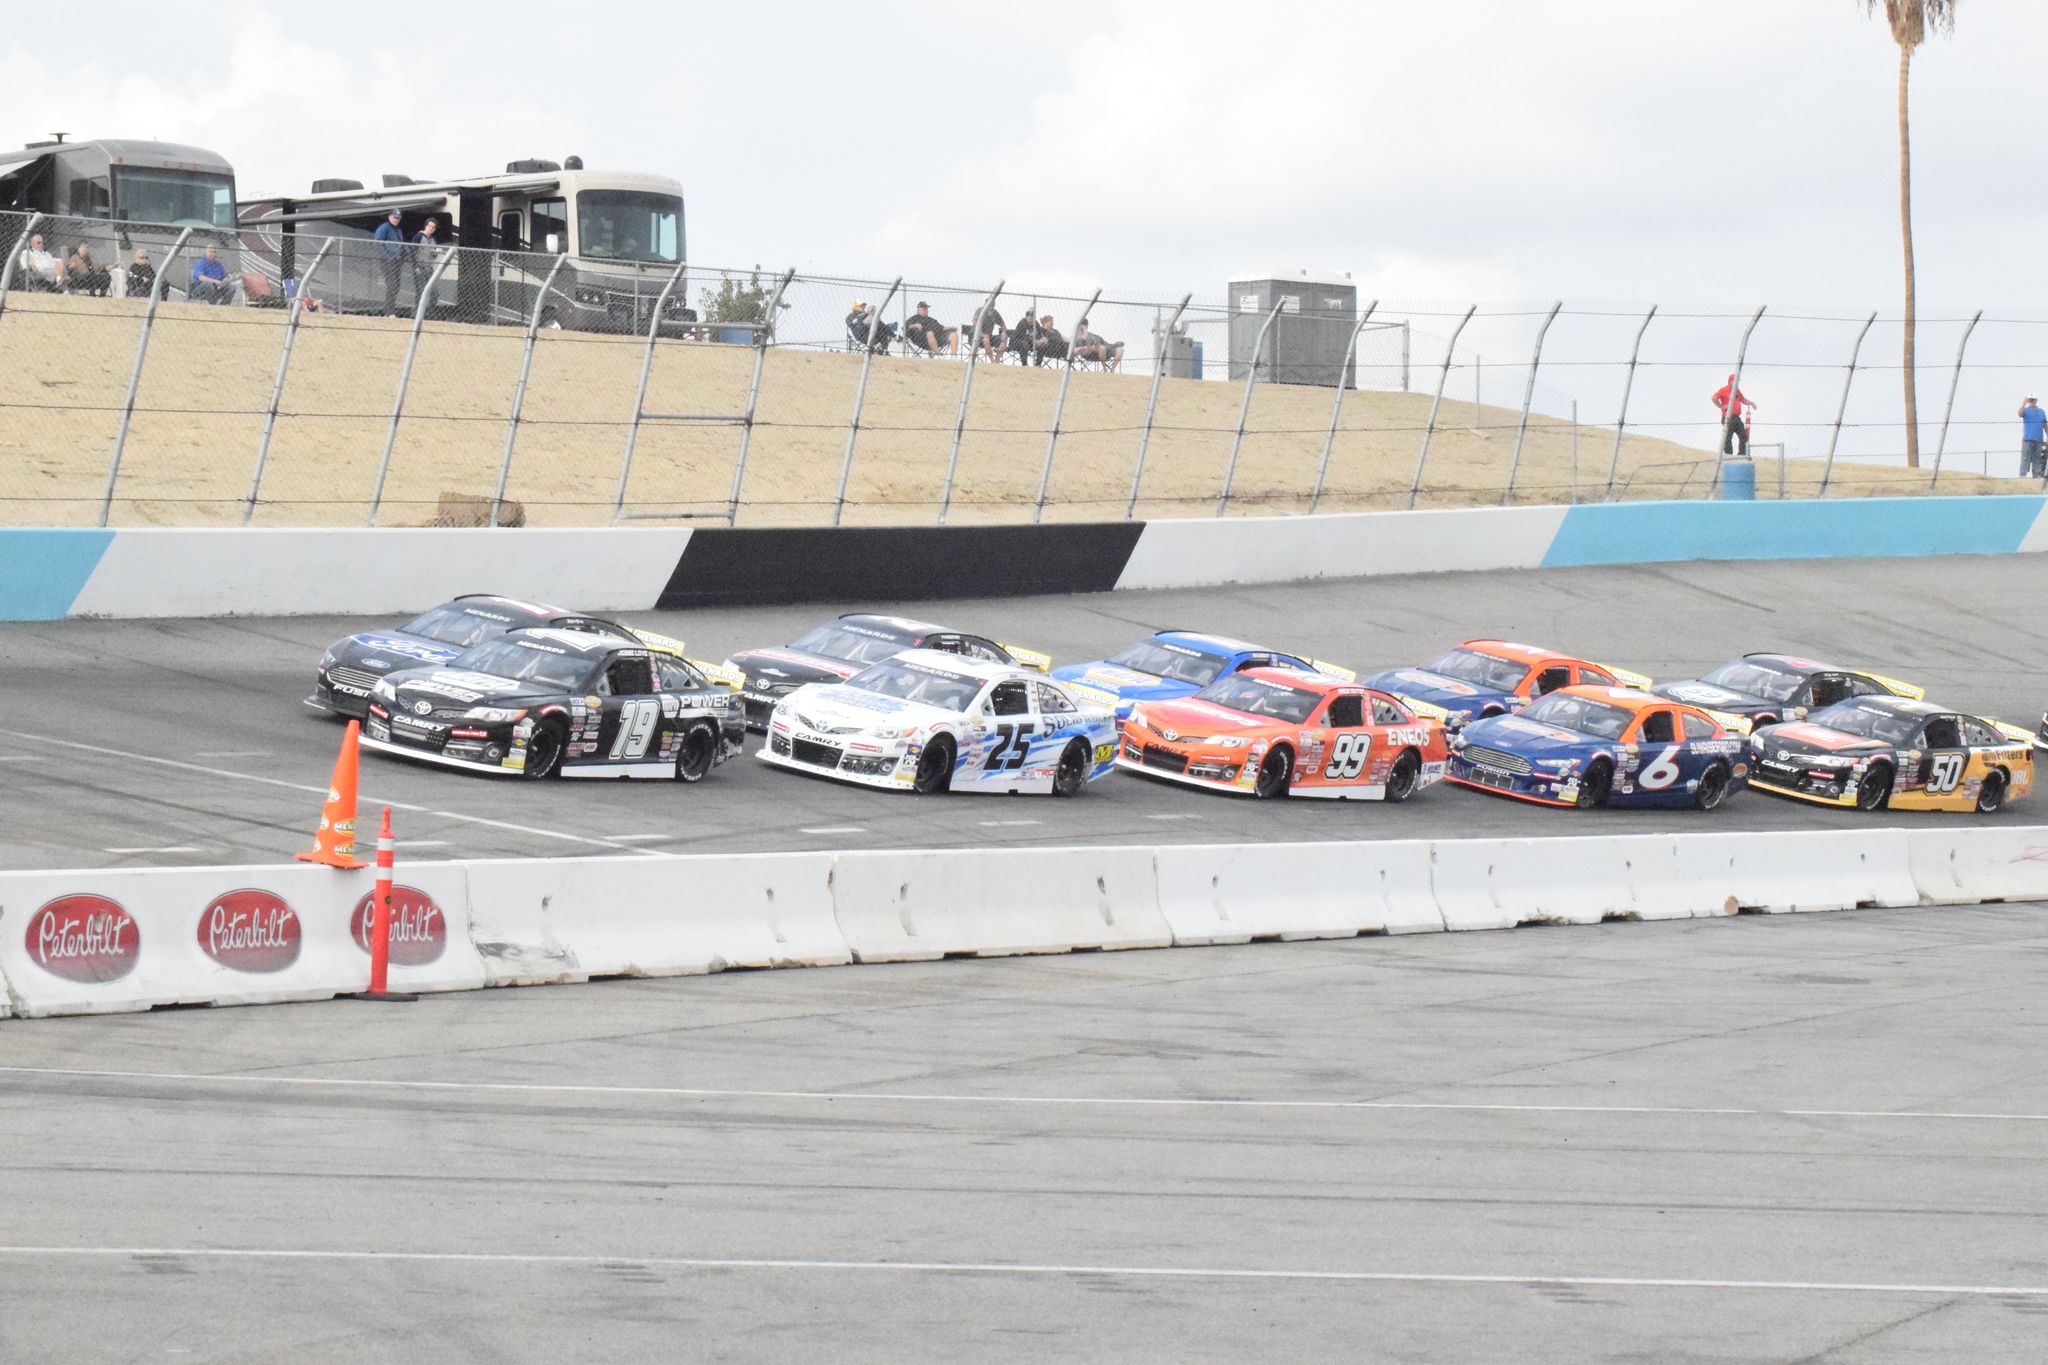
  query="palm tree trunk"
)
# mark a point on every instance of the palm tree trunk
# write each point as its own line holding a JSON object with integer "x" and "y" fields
{"x": 1906, "y": 236}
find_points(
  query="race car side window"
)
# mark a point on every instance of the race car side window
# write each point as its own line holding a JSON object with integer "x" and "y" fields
{"x": 677, "y": 676}
{"x": 1347, "y": 712}
{"x": 1598, "y": 677}
{"x": 974, "y": 647}
{"x": 1254, "y": 661}
{"x": 1867, "y": 687}
{"x": 1659, "y": 728}
{"x": 1052, "y": 701}
{"x": 1698, "y": 727}
{"x": 1979, "y": 735}
{"x": 1828, "y": 689}
{"x": 945, "y": 644}
{"x": 1552, "y": 678}
{"x": 1942, "y": 732}
{"x": 1009, "y": 699}
{"x": 1385, "y": 712}
{"x": 631, "y": 676}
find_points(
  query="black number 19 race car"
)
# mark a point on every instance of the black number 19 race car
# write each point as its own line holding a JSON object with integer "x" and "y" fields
{"x": 544, "y": 702}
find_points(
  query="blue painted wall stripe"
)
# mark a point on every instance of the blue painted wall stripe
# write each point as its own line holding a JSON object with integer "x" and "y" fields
{"x": 42, "y": 571}
{"x": 1661, "y": 532}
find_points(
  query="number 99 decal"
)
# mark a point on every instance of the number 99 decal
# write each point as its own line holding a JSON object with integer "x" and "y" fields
{"x": 1347, "y": 756}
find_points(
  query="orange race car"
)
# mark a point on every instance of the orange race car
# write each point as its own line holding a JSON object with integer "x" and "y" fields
{"x": 1278, "y": 732}
{"x": 1494, "y": 677}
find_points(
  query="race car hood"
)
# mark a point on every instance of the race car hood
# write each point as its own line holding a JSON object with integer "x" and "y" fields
{"x": 1109, "y": 684}
{"x": 1192, "y": 719}
{"x": 781, "y": 667}
{"x": 1532, "y": 739}
{"x": 1806, "y": 737}
{"x": 387, "y": 651}
{"x": 835, "y": 709}
{"x": 1457, "y": 698}
{"x": 446, "y": 689}
{"x": 1714, "y": 697}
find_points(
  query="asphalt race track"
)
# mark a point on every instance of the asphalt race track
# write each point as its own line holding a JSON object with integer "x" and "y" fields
{"x": 185, "y": 743}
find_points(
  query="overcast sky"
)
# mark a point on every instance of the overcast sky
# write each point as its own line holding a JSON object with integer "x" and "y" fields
{"x": 1735, "y": 152}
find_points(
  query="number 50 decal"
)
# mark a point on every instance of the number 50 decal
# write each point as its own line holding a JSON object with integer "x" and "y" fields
{"x": 1662, "y": 771}
{"x": 1945, "y": 773}
{"x": 1347, "y": 756}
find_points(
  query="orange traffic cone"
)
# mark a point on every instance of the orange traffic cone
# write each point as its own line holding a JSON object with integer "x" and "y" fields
{"x": 334, "y": 843}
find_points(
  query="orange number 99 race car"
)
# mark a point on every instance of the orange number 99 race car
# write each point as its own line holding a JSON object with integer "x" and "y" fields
{"x": 1277, "y": 732}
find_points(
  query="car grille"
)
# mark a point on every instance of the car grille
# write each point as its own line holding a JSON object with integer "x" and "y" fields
{"x": 779, "y": 744}
{"x": 1166, "y": 760}
{"x": 352, "y": 677}
{"x": 817, "y": 755}
{"x": 822, "y": 728}
{"x": 1497, "y": 759}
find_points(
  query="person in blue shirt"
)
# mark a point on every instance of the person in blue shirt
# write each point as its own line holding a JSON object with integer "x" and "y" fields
{"x": 209, "y": 279}
{"x": 2033, "y": 430}
{"x": 390, "y": 255}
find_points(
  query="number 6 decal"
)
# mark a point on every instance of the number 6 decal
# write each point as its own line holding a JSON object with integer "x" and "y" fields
{"x": 1662, "y": 772}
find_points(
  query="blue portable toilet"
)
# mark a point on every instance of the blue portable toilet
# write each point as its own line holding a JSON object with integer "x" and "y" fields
{"x": 1738, "y": 481}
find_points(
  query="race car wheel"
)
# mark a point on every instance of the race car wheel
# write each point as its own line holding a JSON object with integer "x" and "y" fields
{"x": 543, "y": 752}
{"x": 1276, "y": 773}
{"x": 1874, "y": 788}
{"x": 1713, "y": 789}
{"x": 1991, "y": 796}
{"x": 1596, "y": 784}
{"x": 1401, "y": 779}
{"x": 934, "y": 767}
{"x": 1069, "y": 777}
{"x": 699, "y": 752}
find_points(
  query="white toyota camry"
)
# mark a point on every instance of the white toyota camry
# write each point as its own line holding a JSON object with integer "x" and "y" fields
{"x": 927, "y": 721}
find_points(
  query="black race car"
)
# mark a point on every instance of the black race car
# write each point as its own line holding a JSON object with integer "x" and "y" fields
{"x": 839, "y": 649}
{"x": 545, "y": 702}
{"x": 352, "y": 667}
{"x": 1764, "y": 689}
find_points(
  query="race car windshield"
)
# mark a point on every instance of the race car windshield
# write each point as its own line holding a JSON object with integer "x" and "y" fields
{"x": 526, "y": 663}
{"x": 1757, "y": 680}
{"x": 1866, "y": 722}
{"x": 1583, "y": 714}
{"x": 1481, "y": 670}
{"x": 925, "y": 686}
{"x": 1180, "y": 665}
{"x": 831, "y": 642}
{"x": 1258, "y": 698}
{"x": 451, "y": 625}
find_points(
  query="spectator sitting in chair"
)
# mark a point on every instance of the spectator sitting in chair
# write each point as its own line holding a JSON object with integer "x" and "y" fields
{"x": 1051, "y": 344}
{"x": 39, "y": 269}
{"x": 1090, "y": 346}
{"x": 293, "y": 289}
{"x": 83, "y": 275}
{"x": 989, "y": 335}
{"x": 863, "y": 328}
{"x": 141, "y": 276}
{"x": 209, "y": 280}
{"x": 1023, "y": 341}
{"x": 927, "y": 334}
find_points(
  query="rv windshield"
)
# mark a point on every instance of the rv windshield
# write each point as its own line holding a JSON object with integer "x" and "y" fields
{"x": 186, "y": 198}
{"x": 628, "y": 225}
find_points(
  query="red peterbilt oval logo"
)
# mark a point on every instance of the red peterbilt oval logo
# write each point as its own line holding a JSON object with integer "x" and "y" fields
{"x": 419, "y": 931}
{"x": 84, "y": 938}
{"x": 250, "y": 931}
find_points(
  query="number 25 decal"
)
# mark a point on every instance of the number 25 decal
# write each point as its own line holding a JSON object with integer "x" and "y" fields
{"x": 1945, "y": 773}
{"x": 1011, "y": 747}
{"x": 1347, "y": 756}
{"x": 1662, "y": 771}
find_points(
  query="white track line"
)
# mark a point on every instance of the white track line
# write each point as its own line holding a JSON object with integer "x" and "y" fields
{"x": 886, "y": 1097}
{"x": 1175, "y": 815}
{"x": 835, "y": 829}
{"x": 1006, "y": 824}
{"x": 1025, "y": 1268}
{"x": 20, "y": 758}
{"x": 167, "y": 848}
{"x": 641, "y": 838}
{"x": 231, "y": 753}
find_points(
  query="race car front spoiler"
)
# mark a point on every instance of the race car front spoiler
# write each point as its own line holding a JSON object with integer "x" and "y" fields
{"x": 386, "y": 746}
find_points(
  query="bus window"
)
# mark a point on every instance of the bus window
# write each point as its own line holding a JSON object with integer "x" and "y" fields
{"x": 89, "y": 198}
{"x": 182, "y": 198}
{"x": 510, "y": 238}
{"x": 628, "y": 225}
{"x": 550, "y": 220}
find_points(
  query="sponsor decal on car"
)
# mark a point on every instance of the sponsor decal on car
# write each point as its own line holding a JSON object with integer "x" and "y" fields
{"x": 250, "y": 930}
{"x": 419, "y": 931}
{"x": 84, "y": 938}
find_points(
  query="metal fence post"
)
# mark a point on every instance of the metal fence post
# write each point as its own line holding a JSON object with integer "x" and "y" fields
{"x": 412, "y": 347}
{"x": 1627, "y": 387}
{"x": 1244, "y": 408}
{"x": 284, "y": 361}
{"x": 1337, "y": 407}
{"x": 860, "y": 397}
{"x": 1954, "y": 379}
{"x": 156, "y": 293}
{"x": 13, "y": 263}
{"x": 966, "y": 391}
{"x": 1450, "y": 349}
{"x": 1152, "y": 403}
{"x": 1842, "y": 409}
{"x": 640, "y": 394}
{"x": 761, "y": 338}
{"x": 1059, "y": 408}
{"x": 540, "y": 304}
{"x": 1733, "y": 411}
{"x": 1528, "y": 398}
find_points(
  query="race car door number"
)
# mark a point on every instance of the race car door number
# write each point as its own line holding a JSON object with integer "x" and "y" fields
{"x": 1012, "y": 744}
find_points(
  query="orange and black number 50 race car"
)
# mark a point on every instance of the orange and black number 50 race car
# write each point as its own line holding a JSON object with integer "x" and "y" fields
{"x": 1878, "y": 752}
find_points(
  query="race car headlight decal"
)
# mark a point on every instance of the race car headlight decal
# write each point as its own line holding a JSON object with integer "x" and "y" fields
{"x": 327, "y": 661}
{"x": 1830, "y": 761}
{"x": 1227, "y": 741}
{"x": 493, "y": 715}
{"x": 890, "y": 732}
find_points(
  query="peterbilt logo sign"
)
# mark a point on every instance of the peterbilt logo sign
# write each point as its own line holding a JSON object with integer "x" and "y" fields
{"x": 250, "y": 931}
{"x": 84, "y": 938}
{"x": 419, "y": 931}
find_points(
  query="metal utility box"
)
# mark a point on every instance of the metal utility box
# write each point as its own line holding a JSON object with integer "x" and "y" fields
{"x": 1318, "y": 312}
{"x": 1180, "y": 356}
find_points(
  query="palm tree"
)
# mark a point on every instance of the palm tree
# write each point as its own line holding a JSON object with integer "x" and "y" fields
{"x": 1910, "y": 22}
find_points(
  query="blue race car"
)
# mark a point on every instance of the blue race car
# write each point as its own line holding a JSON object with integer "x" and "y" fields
{"x": 1170, "y": 664}
{"x": 1492, "y": 677}
{"x": 1603, "y": 746}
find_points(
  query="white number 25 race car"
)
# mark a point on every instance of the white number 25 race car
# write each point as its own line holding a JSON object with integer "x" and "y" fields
{"x": 930, "y": 722}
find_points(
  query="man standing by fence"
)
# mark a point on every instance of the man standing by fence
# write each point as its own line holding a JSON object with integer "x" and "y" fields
{"x": 390, "y": 255}
{"x": 2033, "y": 430}
{"x": 1735, "y": 409}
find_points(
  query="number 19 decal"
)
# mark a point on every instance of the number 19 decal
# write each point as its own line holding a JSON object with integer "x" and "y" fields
{"x": 637, "y": 723}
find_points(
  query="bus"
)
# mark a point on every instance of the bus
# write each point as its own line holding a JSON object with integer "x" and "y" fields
{"x": 621, "y": 232}
{"x": 120, "y": 195}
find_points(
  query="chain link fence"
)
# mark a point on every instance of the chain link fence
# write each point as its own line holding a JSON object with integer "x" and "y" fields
{"x": 186, "y": 378}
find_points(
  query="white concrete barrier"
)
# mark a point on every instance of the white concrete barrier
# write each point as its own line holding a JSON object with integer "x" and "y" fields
{"x": 1240, "y": 892}
{"x": 1500, "y": 883}
{"x": 916, "y": 906}
{"x": 1982, "y": 863}
{"x": 1800, "y": 869}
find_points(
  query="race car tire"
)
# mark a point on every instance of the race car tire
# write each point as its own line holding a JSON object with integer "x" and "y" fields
{"x": 1072, "y": 773}
{"x": 1874, "y": 788}
{"x": 1595, "y": 785}
{"x": 1991, "y": 796}
{"x": 544, "y": 752}
{"x": 1492, "y": 710}
{"x": 1276, "y": 773}
{"x": 1402, "y": 776}
{"x": 697, "y": 754}
{"x": 1761, "y": 721}
{"x": 1713, "y": 789}
{"x": 934, "y": 767}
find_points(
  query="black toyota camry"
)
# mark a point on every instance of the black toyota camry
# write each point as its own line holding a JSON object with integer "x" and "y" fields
{"x": 1767, "y": 688}
{"x": 839, "y": 649}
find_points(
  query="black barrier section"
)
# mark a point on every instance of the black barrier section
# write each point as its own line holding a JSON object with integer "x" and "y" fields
{"x": 723, "y": 567}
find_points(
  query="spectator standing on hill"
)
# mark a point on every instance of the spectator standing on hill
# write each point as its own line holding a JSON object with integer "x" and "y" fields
{"x": 141, "y": 276}
{"x": 926, "y": 333}
{"x": 39, "y": 269}
{"x": 209, "y": 279}
{"x": 425, "y": 243}
{"x": 83, "y": 275}
{"x": 1051, "y": 344}
{"x": 1735, "y": 409}
{"x": 1024, "y": 339}
{"x": 390, "y": 252}
{"x": 2033, "y": 430}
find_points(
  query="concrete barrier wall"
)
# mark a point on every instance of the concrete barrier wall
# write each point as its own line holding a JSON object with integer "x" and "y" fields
{"x": 107, "y": 941}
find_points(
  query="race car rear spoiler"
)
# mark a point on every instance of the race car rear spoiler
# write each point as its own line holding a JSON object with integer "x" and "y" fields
{"x": 1625, "y": 677}
{"x": 1331, "y": 670}
{"x": 1728, "y": 720}
{"x": 722, "y": 674}
{"x": 1903, "y": 689}
{"x": 1029, "y": 658}
{"x": 2017, "y": 732}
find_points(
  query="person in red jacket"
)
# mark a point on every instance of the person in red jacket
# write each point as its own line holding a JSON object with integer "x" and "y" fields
{"x": 1734, "y": 419}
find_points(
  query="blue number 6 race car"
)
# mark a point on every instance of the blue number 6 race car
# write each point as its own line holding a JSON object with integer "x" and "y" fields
{"x": 1603, "y": 746}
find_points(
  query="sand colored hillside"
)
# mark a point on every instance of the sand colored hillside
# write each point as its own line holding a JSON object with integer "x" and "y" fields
{"x": 203, "y": 404}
